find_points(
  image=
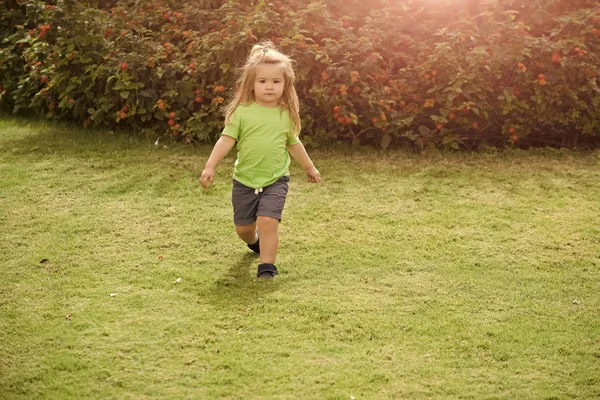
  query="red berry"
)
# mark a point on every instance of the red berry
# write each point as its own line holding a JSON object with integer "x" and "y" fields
{"x": 124, "y": 66}
{"x": 171, "y": 115}
{"x": 171, "y": 122}
{"x": 556, "y": 58}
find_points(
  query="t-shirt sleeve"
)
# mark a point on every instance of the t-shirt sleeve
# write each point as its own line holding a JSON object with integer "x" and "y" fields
{"x": 234, "y": 128}
{"x": 292, "y": 139}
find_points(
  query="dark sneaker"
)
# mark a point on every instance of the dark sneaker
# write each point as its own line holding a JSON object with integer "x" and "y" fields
{"x": 266, "y": 271}
{"x": 256, "y": 246}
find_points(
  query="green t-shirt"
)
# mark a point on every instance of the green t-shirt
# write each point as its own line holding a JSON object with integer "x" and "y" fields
{"x": 262, "y": 134}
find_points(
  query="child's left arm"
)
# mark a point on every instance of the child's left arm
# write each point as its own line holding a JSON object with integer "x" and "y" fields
{"x": 299, "y": 154}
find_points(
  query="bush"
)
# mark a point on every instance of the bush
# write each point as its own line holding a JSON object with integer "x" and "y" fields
{"x": 377, "y": 73}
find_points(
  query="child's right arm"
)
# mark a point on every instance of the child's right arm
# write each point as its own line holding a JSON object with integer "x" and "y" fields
{"x": 222, "y": 147}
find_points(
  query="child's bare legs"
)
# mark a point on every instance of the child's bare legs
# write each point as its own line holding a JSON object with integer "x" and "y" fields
{"x": 247, "y": 232}
{"x": 269, "y": 239}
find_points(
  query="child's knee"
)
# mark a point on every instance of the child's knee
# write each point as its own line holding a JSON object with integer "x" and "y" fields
{"x": 267, "y": 222}
{"x": 245, "y": 229}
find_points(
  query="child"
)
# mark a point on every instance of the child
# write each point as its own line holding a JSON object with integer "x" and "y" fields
{"x": 263, "y": 121}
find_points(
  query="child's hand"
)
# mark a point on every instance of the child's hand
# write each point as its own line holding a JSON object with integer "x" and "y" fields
{"x": 207, "y": 177}
{"x": 313, "y": 175}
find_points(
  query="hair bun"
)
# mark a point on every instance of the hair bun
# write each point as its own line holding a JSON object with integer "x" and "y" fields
{"x": 262, "y": 47}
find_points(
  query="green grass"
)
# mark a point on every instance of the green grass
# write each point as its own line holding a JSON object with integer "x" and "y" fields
{"x": 458, "y": 276}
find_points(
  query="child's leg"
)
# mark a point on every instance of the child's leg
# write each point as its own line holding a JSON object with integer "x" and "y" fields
{"x": 247, "y": 232}
{"x": 269, "y": 239}
{"x": 245, "y": 203}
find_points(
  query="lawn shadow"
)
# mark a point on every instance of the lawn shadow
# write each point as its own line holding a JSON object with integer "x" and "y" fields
{"x": 240, "y": 286}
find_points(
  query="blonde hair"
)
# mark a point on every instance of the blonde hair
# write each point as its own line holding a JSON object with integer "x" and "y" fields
{"x": 266, "y": 53}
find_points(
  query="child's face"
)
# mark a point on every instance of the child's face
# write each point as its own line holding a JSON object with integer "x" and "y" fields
{"x": 269, "y": 84}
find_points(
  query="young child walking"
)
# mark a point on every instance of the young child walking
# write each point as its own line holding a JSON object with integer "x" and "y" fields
{"x": 263, "y": 122}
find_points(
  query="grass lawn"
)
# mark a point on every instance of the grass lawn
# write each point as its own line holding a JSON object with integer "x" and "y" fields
{"x": 458, "y": 276}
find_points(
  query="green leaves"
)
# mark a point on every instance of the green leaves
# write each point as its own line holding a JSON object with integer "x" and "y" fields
{"x": 365, "y": 73}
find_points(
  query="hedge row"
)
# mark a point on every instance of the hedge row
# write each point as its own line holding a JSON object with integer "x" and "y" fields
{"x": 381, "y": 73}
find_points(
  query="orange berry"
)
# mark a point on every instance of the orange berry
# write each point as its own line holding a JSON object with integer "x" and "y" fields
{"x": 171, "y": 115}
{"x": 556, "y": 58}
{"x": 451, "y": 116}
{"x": 171, "y": 122}
{"x": 511, "y": 130}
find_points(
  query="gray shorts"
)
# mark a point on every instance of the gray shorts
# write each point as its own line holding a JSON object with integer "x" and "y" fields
{"x": 247, "y": 204}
